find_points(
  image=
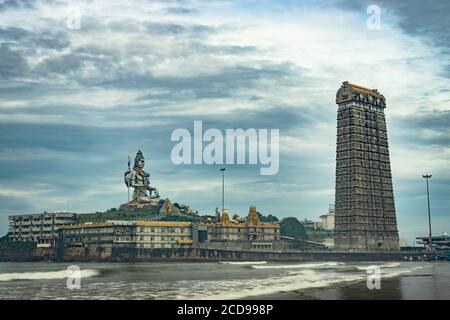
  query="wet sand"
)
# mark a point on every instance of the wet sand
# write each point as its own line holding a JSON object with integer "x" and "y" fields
{"x": 432, "y": 282}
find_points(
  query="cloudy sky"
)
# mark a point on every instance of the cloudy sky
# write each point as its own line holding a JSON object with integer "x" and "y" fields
{"x": 74, "y": 103}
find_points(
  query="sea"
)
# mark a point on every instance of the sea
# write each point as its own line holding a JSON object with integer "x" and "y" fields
{"x": 193, "y": 280}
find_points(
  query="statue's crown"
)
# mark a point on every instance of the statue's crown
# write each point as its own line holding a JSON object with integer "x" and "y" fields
{"x": 139, "y": 156}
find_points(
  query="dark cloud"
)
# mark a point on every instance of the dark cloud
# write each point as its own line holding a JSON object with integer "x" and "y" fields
{"x": 81, "y": 160}
{"x": 188, "y": 29}
{"x": 426, "y": 19}
{"x": 16, "y": 4}
{"x": 14, "y": 205}
{"x": 159, "y": 29}
{"x": 12, "y": 64}
{"x": 42, "y": 39}
{"x": 73, "y": 63}
{"x": 13, "y": 34}
{"x": 165, "y": 28}
{"x": 223, "y": 84}
{"x": 284, "y": 118}
{"x": 110, "y": 65}
{"x": 436, "y": 120}
{"x": 180, "y": 10}
{"x": 64, "y": 137}
{"x": 423, "y": 18}
{"x": 430, "y": 128}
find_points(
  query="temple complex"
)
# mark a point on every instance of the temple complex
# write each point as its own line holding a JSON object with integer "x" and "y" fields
{"x": 251, "y": 230}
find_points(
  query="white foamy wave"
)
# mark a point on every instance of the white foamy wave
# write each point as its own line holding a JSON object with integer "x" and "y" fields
{"x": 391, "y": 270}
{"x": 300, "y": 266}
{"x": 303, "y": 276}
{"x": 243, "y": 262}
{"x": 386, "y": 265}
{"x": 397, "y": 272}
{"x": 238, "y": 289}
{"x": 47, "y": 275}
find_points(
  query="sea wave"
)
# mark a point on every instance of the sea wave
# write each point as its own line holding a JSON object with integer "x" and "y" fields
{"x": 243, "y": 262}
{"x": 242, "y": 288}
{"x": 300, "y": 266}
{"x": 46, "y": 275}
{"x": 300, "y": 277}
{"x": 386, "y": 265}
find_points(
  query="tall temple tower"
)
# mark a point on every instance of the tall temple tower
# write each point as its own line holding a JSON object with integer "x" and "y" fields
{"x": 365, "y": 211}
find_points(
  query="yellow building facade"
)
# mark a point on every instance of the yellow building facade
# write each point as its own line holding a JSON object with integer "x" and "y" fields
{"x": 138, "y": 234}
{"x": 251, "y": 230}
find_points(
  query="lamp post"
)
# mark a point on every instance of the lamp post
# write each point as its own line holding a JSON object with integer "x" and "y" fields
{"x": 428, "y": 176}
{"x": 223, "y": 189}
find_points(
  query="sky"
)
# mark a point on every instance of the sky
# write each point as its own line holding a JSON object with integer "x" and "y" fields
{"x": 76, "y": 102}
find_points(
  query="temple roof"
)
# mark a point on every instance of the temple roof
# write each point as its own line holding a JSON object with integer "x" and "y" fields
{"x": 353, "y": 92}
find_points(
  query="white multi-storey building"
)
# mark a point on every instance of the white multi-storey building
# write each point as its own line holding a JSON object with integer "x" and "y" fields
{"x": 42, "y": 227}
{"x": 131, "y": 234}
{"x": 163, "y": 234}
{"x": 327, "y": 220}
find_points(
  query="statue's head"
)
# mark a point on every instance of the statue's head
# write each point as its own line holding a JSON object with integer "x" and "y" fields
{"x": 139, "y": 160}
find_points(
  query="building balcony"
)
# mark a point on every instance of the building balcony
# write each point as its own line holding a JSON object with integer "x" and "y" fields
{"x": 184, "y": 241}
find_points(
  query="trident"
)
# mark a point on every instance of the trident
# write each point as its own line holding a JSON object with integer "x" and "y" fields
{"x": 128, "y": 185}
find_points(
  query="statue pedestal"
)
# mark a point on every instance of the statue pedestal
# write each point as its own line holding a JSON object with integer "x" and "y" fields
{"x": 135, "y": 205}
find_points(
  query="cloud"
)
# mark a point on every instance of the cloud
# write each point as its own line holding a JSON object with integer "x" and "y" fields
{"x": 75, "y": 103}
{"x": 12, "y": 63}
{"x": 432, "y": 128}
{"x": 16, "y": 4}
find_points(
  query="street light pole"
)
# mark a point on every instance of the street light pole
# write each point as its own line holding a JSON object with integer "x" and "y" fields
{"x": 223, "y": 189}
{"x": 428, "y": 176}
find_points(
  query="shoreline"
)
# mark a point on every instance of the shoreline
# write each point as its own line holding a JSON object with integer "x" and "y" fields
{"x": 431, "y": 282}
{"x": 271, "y": 281}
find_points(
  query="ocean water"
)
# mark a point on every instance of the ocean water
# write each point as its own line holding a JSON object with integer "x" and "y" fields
{"x": 190, "y": 280}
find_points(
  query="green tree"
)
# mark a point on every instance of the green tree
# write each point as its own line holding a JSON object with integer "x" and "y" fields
{"x": 5, "y": 238}
{"x": 270, "y": 218}
{"x": 291, "y": 227}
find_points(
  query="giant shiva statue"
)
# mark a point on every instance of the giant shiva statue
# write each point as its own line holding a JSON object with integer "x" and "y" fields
{"x": 139, "y": 179}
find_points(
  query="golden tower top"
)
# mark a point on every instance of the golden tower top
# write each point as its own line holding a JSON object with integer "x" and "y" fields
{"x": 352, "y": 92}
{"x": 252, "y": 218}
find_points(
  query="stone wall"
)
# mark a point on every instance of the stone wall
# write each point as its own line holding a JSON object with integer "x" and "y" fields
{"x": 209, "y": 254}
